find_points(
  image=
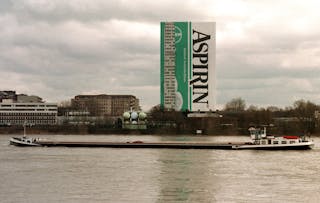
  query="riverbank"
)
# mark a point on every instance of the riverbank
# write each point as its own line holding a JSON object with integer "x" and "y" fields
{"x": 104, "y": 130}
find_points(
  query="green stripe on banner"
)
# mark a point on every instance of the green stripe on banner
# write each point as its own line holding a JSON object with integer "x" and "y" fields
{"x": 182, "y": 76}
{"x": 162, "y": 65}
{"x": 190, "y": 65}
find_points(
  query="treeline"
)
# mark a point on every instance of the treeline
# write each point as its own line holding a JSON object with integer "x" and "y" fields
{"x": 235, "y": 118}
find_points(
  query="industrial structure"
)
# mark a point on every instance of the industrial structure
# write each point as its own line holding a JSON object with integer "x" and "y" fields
{"x": 188, "y": 66}
{"x": 134, "y": 120}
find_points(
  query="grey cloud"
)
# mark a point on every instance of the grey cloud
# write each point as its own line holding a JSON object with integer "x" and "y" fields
{"x": 58, "y": 49}
{"x": 101, "y": 10}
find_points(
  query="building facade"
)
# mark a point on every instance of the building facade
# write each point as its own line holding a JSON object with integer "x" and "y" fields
{"x": 105, "y": 105}
{"x": 187, "y": 66}
{"x": 31, "y": 113}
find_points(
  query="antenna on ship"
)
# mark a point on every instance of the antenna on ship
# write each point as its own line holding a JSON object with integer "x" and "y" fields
{"x": 24, "y": 128}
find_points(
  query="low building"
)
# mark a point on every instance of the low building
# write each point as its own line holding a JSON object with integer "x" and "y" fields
{"x": 8, "y": 95}
{"x": 22, "y": 98}
{"x": 76, "y": 118}
{"x": 11, "y": 96}
{"x": 31, "y": 113}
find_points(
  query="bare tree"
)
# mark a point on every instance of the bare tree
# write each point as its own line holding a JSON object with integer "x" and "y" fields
{"x": 236, "y": 105}
{"x": 253, "y": 108}
{"x": 65, "y": 103}
{"x": 304, "y": 111}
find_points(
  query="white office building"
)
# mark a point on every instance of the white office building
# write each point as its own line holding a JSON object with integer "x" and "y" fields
{"x": 31, "y": 113}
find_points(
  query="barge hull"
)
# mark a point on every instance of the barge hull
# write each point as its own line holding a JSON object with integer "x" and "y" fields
{"x": 297, "y": 147}
{"x": 168, "y": 145}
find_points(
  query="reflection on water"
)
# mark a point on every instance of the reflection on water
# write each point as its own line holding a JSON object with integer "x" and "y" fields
{"x": 185, "y": 176}
{"x": 156, "y": 175}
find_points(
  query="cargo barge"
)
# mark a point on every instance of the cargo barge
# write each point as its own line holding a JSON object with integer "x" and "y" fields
{"x": 259, "y": 141}
{"x": 32, "y": 142}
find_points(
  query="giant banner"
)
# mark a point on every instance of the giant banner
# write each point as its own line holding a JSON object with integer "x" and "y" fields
{"x": 194, "y": 65}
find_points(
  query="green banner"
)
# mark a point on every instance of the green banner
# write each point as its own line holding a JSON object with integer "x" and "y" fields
{"x": 187, "y": 65}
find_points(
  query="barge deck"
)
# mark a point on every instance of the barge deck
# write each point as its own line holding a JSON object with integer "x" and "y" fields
{"x": 138, "y": 144}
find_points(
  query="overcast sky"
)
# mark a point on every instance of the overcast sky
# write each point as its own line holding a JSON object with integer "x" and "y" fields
{"x": 268, "y": 52}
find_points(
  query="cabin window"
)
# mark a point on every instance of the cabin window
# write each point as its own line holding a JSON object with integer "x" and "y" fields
{"x": 292, "y": 142}
{"x": 275, "y": 142}
{"x": 283, "y": 142}
{"x": 263, "y": 142}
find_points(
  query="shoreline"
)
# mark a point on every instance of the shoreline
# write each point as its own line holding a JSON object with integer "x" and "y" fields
{"x": 105, "y": 130}
{"x": 132, "y": 133}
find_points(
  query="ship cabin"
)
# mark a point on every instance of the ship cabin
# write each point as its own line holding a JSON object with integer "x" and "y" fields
{"x": 260, "y": 137}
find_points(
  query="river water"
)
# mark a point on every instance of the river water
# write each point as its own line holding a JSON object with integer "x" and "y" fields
{"x": 42, "y": 174}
